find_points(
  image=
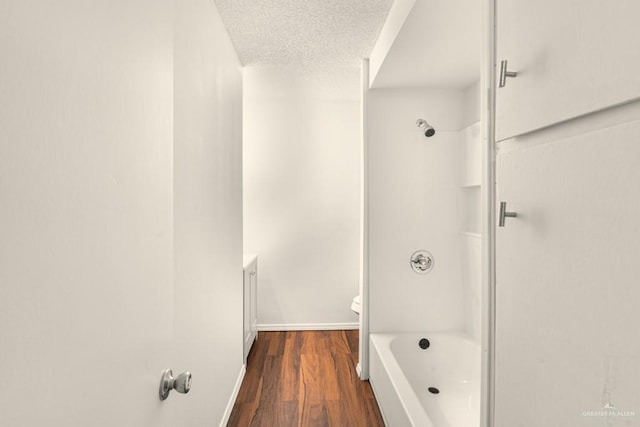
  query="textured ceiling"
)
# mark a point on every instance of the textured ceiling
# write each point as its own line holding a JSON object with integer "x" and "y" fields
{"x": 303, "y": 33}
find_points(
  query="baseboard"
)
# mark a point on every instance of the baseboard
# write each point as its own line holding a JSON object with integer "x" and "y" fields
{"x": 359, "y": 370}
{"x": 306, "y": 326}
{"x": 234, "y": 395}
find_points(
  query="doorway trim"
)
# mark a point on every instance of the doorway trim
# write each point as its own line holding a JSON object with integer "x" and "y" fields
{"x": 363, "y": 337}
{"x": 488, "y": 102}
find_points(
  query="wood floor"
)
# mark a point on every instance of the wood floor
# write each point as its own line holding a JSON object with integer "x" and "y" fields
{"x": 305, "y": 378}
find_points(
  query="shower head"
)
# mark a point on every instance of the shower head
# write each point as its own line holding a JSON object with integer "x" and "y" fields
{"x": 428, "y": 129}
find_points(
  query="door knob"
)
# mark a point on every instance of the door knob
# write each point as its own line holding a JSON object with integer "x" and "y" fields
{"x": 504, "y": 73}
{"x": 504, "y": 214}
{"x": 181, "y": 383}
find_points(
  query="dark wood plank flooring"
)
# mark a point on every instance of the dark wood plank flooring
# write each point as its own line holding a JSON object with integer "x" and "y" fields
{"x": 305, "y": 378}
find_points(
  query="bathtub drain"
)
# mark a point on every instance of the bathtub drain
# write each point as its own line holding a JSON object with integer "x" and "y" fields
{"x": 424, "y": 343}
{"x": 433, "y": 390}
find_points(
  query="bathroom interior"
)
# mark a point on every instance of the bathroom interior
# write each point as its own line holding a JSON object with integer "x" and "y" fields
{"x": 374, "y": 168}
{"x": 443, "y": 186}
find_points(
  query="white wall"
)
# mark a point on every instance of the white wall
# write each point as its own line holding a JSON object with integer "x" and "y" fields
{"x": 90, "y": 311}
{"x": 301, "y": 193}
{"x": 413, "y": 204}
{"x": 207, "y": 210}
{"x": 471, "y": 111}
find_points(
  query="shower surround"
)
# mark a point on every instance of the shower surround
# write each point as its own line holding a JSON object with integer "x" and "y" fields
{"x": 423, "y": 194}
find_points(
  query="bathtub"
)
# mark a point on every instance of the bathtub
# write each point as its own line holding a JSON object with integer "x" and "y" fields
{"x": 401, "y": 373}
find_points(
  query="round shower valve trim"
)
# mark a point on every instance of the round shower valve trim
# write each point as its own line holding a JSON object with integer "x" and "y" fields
{"x": 422, "y": 262}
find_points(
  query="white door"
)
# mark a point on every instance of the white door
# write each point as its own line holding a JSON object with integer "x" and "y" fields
{"x": 120, "y": 212}
{"x": 86, "y": 286}
{"x": 572, "y": 57}
{"x": 567, "y": 345}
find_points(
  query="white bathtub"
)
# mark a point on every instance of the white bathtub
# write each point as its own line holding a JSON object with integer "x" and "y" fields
{"x": 401, "y": 374}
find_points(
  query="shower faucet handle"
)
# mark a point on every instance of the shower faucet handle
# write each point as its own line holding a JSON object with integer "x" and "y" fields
{"x": 421, "y": 262}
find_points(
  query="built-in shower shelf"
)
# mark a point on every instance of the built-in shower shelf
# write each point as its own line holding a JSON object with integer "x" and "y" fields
{"x": 470, "y": 185}
{"x": 470, "y": 234}
{"x": 470, "y": 205}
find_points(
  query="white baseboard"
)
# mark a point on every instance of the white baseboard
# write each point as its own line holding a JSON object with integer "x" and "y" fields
{"x": 234, "y": 395}
{"x": 307, "y": 326}
{"x": 359, "y": 370}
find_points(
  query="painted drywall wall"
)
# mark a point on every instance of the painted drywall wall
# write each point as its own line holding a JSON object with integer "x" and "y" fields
{"x": 428, "y": 44}
{"x": 207, "y": 181}
{"x": 471, "y": 110}
{"x": 413, "y": 204}
{"x": 90, "y": 310}
{"x": 400, "y": 10}
{"x": 301, "y": 193}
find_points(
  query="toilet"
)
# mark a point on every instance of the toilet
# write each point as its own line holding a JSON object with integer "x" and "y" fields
{"x": 355, "y": 304}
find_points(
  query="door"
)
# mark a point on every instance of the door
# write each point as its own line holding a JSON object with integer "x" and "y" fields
{"x": 567, "y": 347}
{"x": 121, "y": 212}
{"x": 86, "y": 219}
{"x": 572, "y": 57}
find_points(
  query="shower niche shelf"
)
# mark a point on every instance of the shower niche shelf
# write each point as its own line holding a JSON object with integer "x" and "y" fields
{"x": 469, "y": 208}
{"x": 470, "y": 234}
